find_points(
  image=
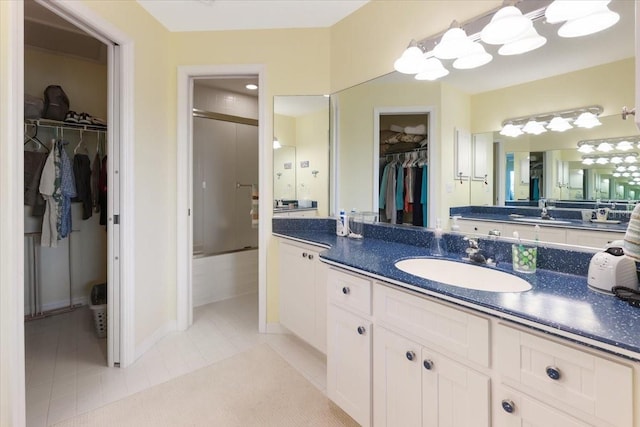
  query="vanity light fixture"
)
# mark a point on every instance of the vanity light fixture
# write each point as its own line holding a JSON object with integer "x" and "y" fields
{"x": 603, "y": 159}
{"x": 588, "y": 161}
{"x": 616, "y": 174}
{"x": 276, "y": 143}
{"x": 617, "y": 160}
{"x": 454, "y": 43}
{"x": 412, "y": 60}
{"x": 251, "y": 86}
{"x": 585, "y": 148}
{"x": 507, "y": 25}
{"x": 474, "y": 58}
{"x": 605, "y": 147}
{"x": 531, "y": 40}
{"x": 621, "y": 169}
{"x": 583, "y": 17}
{"x": 624, "y": 145}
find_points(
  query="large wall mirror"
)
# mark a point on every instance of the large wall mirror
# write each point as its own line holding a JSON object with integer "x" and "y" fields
{"x": 468, "y": 108}
{"x": 301, "y": 153}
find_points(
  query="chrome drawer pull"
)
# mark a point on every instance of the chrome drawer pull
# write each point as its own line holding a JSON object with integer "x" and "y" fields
{"x": 553, "y": 372}
{"x": 361, "y": 330}
{"x": 346, "y": 290}
{"x": 410, "y": 355}
{"x": 304, "y": 254}
{"x": 428, "y": 364}
{"x": 310, "y": 256}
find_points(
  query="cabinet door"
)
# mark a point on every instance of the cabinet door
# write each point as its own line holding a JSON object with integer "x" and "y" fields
{"x": 479, "y": 227}
{"x": 397, "y": 385}
{"x": 592, "y": 239}
{"x": 297, "y": 292}
{"x": 320, "y": 274}
{"x": 453, "y": 395}
{"x": 545, "y": 234}
{"x": 349, "y": 363}
{"x": 514, "y": 409}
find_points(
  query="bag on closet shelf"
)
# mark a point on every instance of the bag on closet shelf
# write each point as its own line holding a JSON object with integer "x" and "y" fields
{"x": 56, "y": 103}
{"x": 33, "y": 106}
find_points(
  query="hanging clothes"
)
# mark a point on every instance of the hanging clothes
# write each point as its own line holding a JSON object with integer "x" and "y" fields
{"x": 82, "y": 176}
{"x": 399, "y": 198}
{"x": 102, "y": 191}
{"x": 424, "y": 193}
{"x": 67, "y": 191}
{"x": 390, "y": 197}
{"x": 417, "y": 195}
{"x": 95, "y": 181}
{"x": 50, "y": 190}
{"x": 33, "y": 164}
{"x": 408, "y": 191}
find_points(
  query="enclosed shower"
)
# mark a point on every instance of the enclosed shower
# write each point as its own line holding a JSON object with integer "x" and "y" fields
{"x": 225, "y": 194}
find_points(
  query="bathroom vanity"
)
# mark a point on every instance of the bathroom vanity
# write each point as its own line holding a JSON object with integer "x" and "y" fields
{"x": 404, "y": 350}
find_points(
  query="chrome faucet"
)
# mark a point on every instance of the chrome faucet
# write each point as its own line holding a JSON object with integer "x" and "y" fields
{"x": 473, "y": 251}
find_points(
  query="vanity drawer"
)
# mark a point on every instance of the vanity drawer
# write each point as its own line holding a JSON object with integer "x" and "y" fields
{"x": 565, "y": 377}
{"x": 350, "y": 291}
{"x": 435, "y": 325}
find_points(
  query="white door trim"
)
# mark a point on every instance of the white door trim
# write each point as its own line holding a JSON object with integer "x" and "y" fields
{"x": 12, "y": 364}
{"x": 186, "y": 74}
{"x": 85, "y": 18}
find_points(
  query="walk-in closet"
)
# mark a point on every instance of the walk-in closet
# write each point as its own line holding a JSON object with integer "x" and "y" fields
{"x": 403, "y": 170}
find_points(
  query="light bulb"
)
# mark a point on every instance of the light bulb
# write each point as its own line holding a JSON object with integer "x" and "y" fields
{"x": 559, "y": 124}
{"x": 624, "y": 146}
{"x": 587, "y": 161}
{"x": 411, "y": 61}
{"x": 587, "y": 120}
{"x": 597, "y": 21}
{"x": 453, "y": 44}
{"x": 511, "y": 130}
{"x": 508, "y": 24}
{"x": 605, "y": 147}
{"x": 534, "y": 127}
{"x": 474, "y": 58}
{"x": 586, "y": 148}
{"x": 431, "y": 70}
{"x": 531, "y": 40}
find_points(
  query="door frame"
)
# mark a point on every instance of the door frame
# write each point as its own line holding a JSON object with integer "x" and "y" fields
{"x": 184, "y": 155}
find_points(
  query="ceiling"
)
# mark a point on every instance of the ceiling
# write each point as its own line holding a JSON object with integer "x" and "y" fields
{"x": 220, "y": 15}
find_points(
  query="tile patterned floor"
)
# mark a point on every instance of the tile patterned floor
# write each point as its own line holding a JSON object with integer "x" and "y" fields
{"x": 66, "y": 371}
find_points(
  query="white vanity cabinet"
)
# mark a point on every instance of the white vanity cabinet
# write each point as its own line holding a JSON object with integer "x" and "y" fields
{"x": 303, "y": 278}
{"x": 479, "y": 227}
{"x": 399, "y": 358}
{"x": 544, "y": 234}
{"x": 349, "y": 341}
{"x": 416, "y": 386}
{"x": 594, "y": 239}
{"x": 591, "y": 387}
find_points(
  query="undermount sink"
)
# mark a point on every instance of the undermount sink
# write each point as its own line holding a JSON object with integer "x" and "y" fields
{"x": 463, "y": 275}
{"x": 542, "y": 221}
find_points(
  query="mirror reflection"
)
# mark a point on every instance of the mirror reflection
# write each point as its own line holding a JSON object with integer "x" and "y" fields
{"x": 301, "y": 162}
{"x": 468, "y": 108}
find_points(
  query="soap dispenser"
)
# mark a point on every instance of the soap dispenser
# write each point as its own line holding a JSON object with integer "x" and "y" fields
{"x": 438, "y": 246}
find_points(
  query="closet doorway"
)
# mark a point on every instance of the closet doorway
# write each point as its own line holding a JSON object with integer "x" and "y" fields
{"x": 62, "y": 275}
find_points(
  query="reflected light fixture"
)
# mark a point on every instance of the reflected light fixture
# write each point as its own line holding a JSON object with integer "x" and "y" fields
{"x": 616, "y": 174}
{"x": 432, "y": 70}
{"x": 559, "y": 124}
{"x": 529, "y": 41}
{"x": 474, "y": 58}
{"x": 511, "y": 130}
{"x": 276, "y": 143}
{"x": 534, "y": 127}
{"x": 507, "y": 25}
{"x": 585, "y": 148}
{"x": 583, "y": 17}
{"x": 587, "y": 120}
{"x": 605, "y": 147}
{"x": 251, "y": 86}
{"x": 624, "y": 145}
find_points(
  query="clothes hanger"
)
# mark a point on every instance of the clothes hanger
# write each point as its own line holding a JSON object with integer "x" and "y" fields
{"x": 34, "y": 139}
{"x": 81, "y": 148}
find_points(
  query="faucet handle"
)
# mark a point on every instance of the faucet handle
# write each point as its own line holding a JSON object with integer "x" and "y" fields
{"x": 473, "y": 243}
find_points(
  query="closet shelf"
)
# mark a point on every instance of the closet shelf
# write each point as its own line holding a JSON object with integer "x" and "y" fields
{"x": 65, "y": 125}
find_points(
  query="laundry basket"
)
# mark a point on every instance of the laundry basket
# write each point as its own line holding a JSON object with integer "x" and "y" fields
{"x": 99, "y": 308}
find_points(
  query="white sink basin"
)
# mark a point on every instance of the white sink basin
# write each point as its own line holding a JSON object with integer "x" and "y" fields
{"x": 542, "y": 221}
{"x": 463, "y": 275}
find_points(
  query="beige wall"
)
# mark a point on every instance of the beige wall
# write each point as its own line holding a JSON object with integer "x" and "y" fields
{"x": 312, "y": 136}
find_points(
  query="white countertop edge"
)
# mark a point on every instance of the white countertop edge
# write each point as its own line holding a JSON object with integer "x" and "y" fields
{"x": 306, "y": 242}
{"x": 499, "y": 314}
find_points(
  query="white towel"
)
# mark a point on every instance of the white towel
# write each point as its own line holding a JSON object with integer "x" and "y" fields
{"x": 396, "y": 128}
{"x": 416, "y": 130}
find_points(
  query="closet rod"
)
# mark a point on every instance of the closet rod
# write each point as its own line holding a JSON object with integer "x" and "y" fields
{"x": 65, "y": 125}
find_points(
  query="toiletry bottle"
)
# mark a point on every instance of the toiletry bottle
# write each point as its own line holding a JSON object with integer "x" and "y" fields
{"x": 437, "y": 243}
{"x": 341, "y": 224}
{"x": 454, "y": 226}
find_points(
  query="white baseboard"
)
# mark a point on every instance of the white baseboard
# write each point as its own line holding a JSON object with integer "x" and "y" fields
{"x": 276, "y": 328}
{"x": 212, "y": 300}
{"x": 150, "y": 341}
{"x": 60, "y": 304}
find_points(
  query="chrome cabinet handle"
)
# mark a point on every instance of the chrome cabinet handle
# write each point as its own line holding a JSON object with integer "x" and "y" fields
{"x": 428, "y": 364}
{"x": 410, "y": 355}
{"x": 508, "y": 406}
{"x": 310, "y": 256}
{"x": 361, "y": 330}
{"x": 304, "y": 254}
{"x": 346, "y": 290}
{"x": 553, "y": 372}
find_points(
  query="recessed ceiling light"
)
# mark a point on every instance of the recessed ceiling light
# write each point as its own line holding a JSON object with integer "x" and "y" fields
{"x": 251, "y": 86}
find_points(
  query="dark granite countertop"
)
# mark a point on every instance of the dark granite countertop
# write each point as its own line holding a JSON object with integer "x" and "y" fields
{"x": 558, "y": 303}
